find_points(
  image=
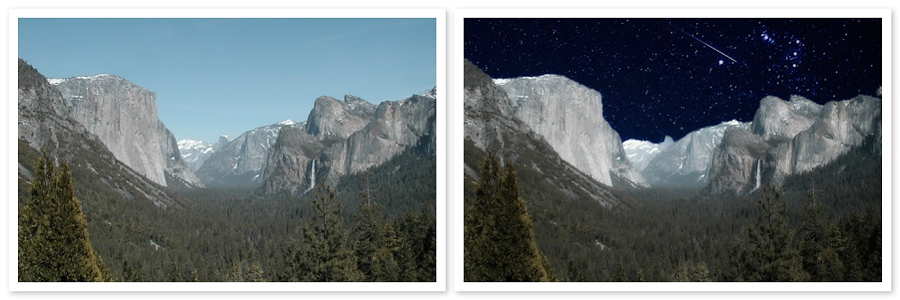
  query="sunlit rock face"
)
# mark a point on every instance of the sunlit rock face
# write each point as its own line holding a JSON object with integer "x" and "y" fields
{"x": 124, "y": 116}
{"x": 346, "y": 137}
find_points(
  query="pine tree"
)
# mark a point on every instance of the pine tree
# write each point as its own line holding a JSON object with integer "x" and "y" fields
{"x": 812, "y": 237}
{"x": 325, "y": 253}
{"x": 831, "y": 266}
{"x": 499, "y": 235}
{"x": 376, "y": 241}
{"x": 771, "y": 256}
{"x": 54, "y": 244}
{"x": 417, "y": 249}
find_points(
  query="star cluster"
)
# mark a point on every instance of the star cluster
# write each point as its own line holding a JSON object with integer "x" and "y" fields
{"x": 663, "y": 77}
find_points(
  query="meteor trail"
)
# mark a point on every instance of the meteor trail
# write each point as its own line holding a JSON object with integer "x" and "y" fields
{"x": 710, "y": 46}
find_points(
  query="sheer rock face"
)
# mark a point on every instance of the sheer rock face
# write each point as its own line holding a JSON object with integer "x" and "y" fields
{"x": 686, "y": 162}
{"x": 124, "y": 116}
{"x": 332, "y": 117}
{"x": 840, "y": 126}
{"x": 569, "y": 116}
{"x": 491, "y": 126}
{"x": 289, "y": 165}
{"x": 737, "y": 162}
{"x": 797, "y": 137}
{"x": 240, "y": 161}
{"x": 345, "y": 137}
{"x": 45, "y": 123}
{"x": 777, "y": 118}
{"x": 395, "y": 126}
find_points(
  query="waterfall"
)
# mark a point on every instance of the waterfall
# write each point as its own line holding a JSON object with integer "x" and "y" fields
{"x": 312, "y": 177}
{"x": 758, "y": 177}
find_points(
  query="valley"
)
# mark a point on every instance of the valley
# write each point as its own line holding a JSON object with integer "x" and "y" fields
{"x": 792, "y": 195}
{"x": 257, "y": 207}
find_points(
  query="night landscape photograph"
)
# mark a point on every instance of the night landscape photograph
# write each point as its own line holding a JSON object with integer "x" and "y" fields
{"x": 661, "y": 150}
{"x": 238, "y": 150}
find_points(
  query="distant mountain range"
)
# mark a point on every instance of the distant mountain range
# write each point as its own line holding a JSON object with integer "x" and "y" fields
{"x": 108, "y": 126}
{"x": 784, "y": 138}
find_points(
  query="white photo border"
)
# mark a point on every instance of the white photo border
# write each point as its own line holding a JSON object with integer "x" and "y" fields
{"x": 457, "y": 171}
{"x": 439, "y": 15}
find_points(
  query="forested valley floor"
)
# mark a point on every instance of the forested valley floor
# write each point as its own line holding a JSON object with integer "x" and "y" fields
{"x": 824, "y": 225}
{"x": 378, "y": 225}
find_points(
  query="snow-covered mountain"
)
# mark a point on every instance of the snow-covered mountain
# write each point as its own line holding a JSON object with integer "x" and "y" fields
{"x": 240, "y": 161}
{"x": 686, "y": 162}
{"x": 195, "y": 152}
{"x": 640, "y": 153}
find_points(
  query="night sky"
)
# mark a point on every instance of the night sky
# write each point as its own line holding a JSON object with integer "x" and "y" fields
{"x": 663, "y": 77}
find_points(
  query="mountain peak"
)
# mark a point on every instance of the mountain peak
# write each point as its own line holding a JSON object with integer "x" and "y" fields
{"x": 432, "y": 93}
{"x": 733, "y": 122}
{"x": 189, "y": 143}
{"x": 287, "y": 123}
{"x": 352, "y": 99}
{"x": 546, "y": 77}
{"x": 102, "y": 76}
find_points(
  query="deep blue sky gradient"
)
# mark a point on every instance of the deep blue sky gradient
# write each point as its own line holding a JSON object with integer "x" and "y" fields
{"x": 225, "y": 76}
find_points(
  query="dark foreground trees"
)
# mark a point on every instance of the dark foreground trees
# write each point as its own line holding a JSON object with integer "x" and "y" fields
{"x": 325, "y": 252}
{"x": 819, "y": 249}
{"x": 770, "y": 252}
{"x": 499, "y": 234}
{"x": 54, "y": 244}
{"x": 371, "y": 247}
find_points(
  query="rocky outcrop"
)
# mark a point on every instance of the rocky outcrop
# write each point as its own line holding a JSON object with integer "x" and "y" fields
{"x": 737, "y": 164}
{"x": 569, "y": 116}
{"x": 492, "y": 127}
{"x": 792, "y": 137}
{"x": 124, "y": 116}
{"x": 345, "y": 137}
{"x": 779, "y": 119}
{"x": 240, "y": 161}
{"x": 686, "y": 162}
{"x": 840, "y": 126}
{"x": 395, "y": 126}
{"x": 334, "y": 118}
{"x": 290, "y": 165}
{"x": 45, "y": 124}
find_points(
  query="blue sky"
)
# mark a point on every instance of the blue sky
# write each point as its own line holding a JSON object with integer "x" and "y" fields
{"x": 226, "y": 76}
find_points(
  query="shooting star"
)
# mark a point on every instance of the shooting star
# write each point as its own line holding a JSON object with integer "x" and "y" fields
{"x": 710, "y": 46}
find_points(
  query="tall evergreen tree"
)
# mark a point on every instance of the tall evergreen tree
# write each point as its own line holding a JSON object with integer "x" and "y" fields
{"x": 325, "y": 253}
{"x": 417, "y": 250}
{"x": 376, "y": 241}
{"x": 771, "y": 256}
{"x": 54, "y": 244}
{"x": 812, "y": 236}
{"x": 499, "y": 235}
